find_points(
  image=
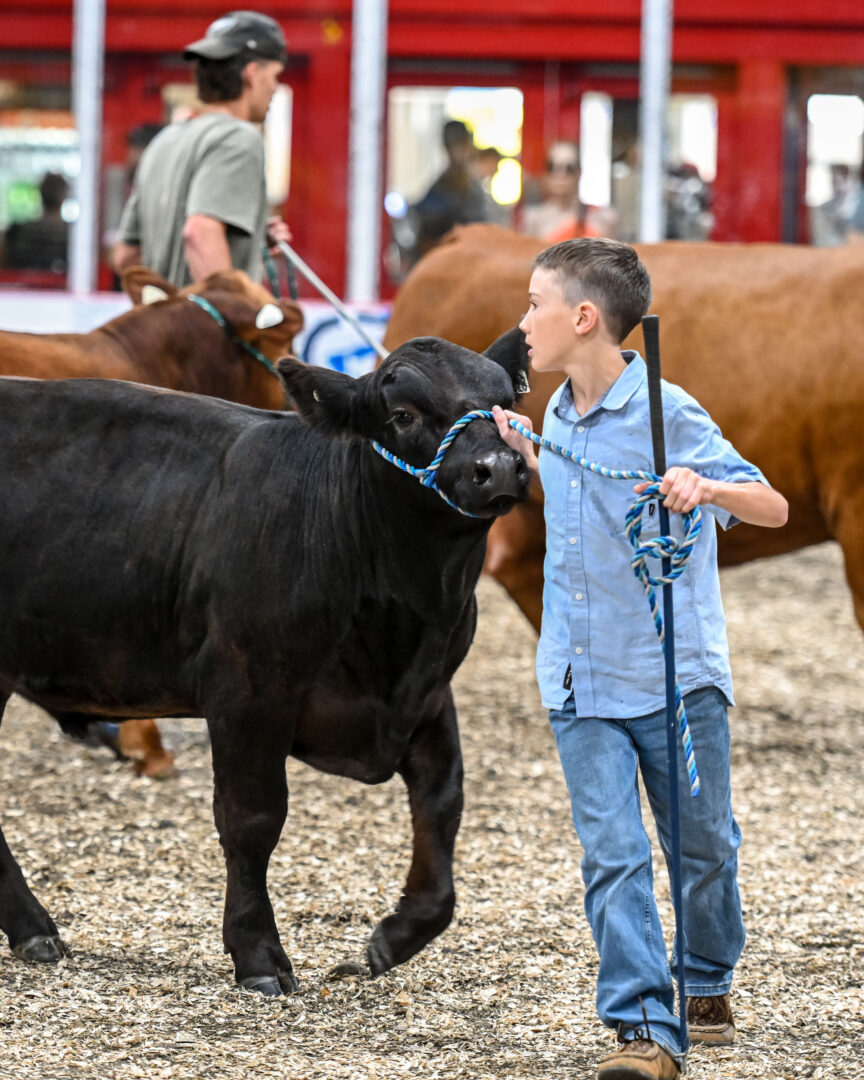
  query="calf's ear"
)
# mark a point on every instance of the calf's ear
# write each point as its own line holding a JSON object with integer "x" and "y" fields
{"x": 511, "y": 352}
{"x": 142, "y": 284}
{"x": 325, "y": 399}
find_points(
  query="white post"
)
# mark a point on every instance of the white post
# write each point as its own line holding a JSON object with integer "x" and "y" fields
{"x": 365, "y": 187}
{"x": 88, "y": 57}
{"x": 654, "y": 81}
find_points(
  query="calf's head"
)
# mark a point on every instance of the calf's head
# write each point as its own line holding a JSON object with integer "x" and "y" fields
{"x": 252, "y": 314}
{"x": 410, "y": 403}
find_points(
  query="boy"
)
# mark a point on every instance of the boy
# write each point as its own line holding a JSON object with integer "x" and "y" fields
{"x": 599, "y": 662}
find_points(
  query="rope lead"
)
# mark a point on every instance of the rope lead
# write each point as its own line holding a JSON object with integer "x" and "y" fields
{"x": 678, "y": 552}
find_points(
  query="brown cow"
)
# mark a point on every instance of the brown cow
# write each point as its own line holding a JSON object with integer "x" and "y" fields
{"x": 765, "y": 336}
{"x": 171, "y": 342}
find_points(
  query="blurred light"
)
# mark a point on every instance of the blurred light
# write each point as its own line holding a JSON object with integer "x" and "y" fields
{"x": 506, "y": 184}
{"x": 595, "y": 149}
{"x": 835, "y": 129}
{"x": 840, "y": 112}
{"x": 395, "y": 204}
{"x": 277, "y": 143}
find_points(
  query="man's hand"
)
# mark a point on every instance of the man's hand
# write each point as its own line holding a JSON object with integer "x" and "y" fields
{"x": 277, "y": 231}
{"x": 684, "y": 489}
{"x": 123, "y": 255}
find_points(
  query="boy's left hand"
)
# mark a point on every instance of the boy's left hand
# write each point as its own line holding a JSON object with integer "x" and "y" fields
{"x": 683, "y": 488}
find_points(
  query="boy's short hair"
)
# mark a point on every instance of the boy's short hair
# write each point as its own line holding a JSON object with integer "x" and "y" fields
{"x": 606, "y": 272}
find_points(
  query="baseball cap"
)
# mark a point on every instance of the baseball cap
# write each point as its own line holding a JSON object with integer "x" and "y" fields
{"x": 238, "y": 32}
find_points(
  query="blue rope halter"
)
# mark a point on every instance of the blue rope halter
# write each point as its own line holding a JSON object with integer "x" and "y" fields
{"x": 678, "y": 552}
{"x": 428, "y": 477}
{"x": 228, "y": 330}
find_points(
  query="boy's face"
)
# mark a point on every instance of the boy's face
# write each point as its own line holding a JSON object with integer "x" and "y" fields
{"x": 549, "y": 324}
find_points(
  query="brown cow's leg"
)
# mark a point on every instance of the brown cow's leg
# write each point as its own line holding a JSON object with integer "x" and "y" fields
{"x": 140, "y": 741}
{"x": 432, "y": 770}
{"x": 849, "y": 531}
{"x": 30, "y": 929}
{"x": 514, "y": 557}
{"x": 250, "y": 802}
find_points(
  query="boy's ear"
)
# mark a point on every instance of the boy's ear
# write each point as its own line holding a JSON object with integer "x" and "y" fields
{"x": 327, "y": 400}
{"x": 586, "y": 317}
{"x": 511, "y": 352}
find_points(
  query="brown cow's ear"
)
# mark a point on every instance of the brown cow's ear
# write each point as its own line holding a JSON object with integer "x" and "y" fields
{"x": 511, "y": 352}
{"x": 136, "y": 278}
{"x": 275, "y": 340}
{"x": 233, "y": 281}
{"x": 325, "y": 399}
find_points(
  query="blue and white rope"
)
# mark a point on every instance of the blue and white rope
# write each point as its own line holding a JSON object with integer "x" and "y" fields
{"x": 428, "y": 477}
{"x": 659, "y": 547}
{"x": 678, "y": 552}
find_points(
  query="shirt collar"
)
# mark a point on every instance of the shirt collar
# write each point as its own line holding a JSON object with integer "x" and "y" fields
{"x": 616, "y": 397}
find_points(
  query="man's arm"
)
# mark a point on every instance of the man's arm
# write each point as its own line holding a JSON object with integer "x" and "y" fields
{"x": 206, "y": 246}
{"x": 749, "y": 500}
{"x": 123, "y": 255}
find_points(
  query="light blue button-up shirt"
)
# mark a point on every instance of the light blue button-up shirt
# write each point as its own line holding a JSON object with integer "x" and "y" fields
{"x": 596, "y": 618}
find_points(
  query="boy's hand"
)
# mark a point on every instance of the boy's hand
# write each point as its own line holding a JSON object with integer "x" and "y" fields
{"x": 684, "y": 489}
{"x": 512, "y": 437}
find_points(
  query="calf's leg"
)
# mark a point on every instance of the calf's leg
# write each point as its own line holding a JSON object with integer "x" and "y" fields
{"x": 30, "y": 929}
{"x": 250, "y": 802}
{"x": 432, "y": 771}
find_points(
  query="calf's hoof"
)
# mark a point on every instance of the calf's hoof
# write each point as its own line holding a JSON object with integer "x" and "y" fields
{"x": 348, "y": 968}
{"x": 284, "y": 982}
{"x": 41, "y": 949}
{"x": 378, "y": 954}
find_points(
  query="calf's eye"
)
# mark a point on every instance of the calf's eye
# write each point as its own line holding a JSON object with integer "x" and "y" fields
{"x": 402, "y": 419}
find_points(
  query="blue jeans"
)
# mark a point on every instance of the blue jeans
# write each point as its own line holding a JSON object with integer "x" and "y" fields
{"x": 600, "y": 760}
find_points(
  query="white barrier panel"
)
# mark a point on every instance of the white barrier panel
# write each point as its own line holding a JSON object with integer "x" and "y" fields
{"x": 326, "y": 340}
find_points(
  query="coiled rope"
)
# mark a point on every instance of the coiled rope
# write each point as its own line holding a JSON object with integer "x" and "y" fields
{"x": 677, "y": 551}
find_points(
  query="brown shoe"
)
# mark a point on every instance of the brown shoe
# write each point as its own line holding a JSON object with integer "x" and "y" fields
{"x": 709, "y": 1020}
{"x": 639, "y": 1059}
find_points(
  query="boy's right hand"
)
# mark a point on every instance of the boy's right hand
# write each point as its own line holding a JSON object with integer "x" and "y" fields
{"x": 512, "y": 437}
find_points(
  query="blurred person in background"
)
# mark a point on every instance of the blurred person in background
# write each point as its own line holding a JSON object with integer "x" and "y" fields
{"x": 199, "y": 202}
{"x": 456, "y": 197}
{"x": 832, "y": 222}
{"x": 41, "y": 244}
{"x": 560, "y": 215}
{"x": 484, "y": 167}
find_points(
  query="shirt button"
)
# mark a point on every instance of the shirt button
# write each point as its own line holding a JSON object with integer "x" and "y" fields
{"x": 578, "y": 650}
{"x": 573, "y": 540}
{"x": 574, "y": 483}
{"x": 581, "y": 428}
{"x": 577, "y": 596}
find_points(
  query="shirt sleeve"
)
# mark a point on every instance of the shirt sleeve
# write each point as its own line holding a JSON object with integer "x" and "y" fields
{"x": 228, "y": 180}
{"x": 696, "y": 442}
{"x": 129, "y": 229}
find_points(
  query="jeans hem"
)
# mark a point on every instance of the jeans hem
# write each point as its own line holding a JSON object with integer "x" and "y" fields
{"x": 708, "y": 989}
{"x": 671, "y": 1048}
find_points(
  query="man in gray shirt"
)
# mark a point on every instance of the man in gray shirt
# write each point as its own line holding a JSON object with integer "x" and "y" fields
{"x": 199, "y": 202}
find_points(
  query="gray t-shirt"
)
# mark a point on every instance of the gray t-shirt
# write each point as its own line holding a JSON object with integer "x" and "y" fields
{"x": 211, "y": 165}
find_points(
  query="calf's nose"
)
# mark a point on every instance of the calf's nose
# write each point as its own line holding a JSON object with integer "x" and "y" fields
{"x": 500, "y": 471}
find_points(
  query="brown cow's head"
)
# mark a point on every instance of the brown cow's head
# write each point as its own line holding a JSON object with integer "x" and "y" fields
{"x": 254, "y": 314}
